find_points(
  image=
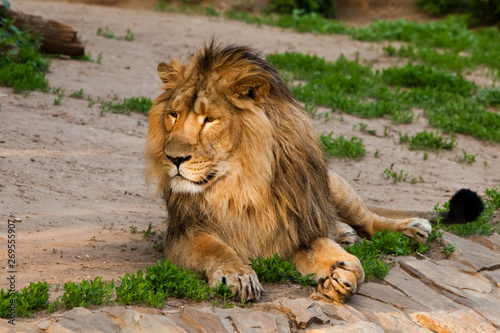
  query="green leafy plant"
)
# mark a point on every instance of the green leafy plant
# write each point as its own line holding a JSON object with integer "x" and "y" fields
{"x": 448, "y": 249}
{"x": 275, "y": 269}
{"x": 60, "y": 95}
{"x": 77, "y": 94}
{"x": 129, "y": 36}
{"x": 466, "y": 158}
{"x": 341, "y": 147}
{"x": 87, "y": 293}
{"x": 128, "y": 105}
{"x": 395, "y": 176}
{"x": 22, "y": 66}
{"x": 374, "y": 254}
{"x": 27, "y": 301}
{"x": 427, "y": 141}
{"x": 133, "y": 229}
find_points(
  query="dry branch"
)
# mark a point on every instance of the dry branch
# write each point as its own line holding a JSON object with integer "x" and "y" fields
{"x": 57, "y": 37}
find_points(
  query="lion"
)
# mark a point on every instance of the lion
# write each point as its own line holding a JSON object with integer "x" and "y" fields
{"x": 244, "y": 175}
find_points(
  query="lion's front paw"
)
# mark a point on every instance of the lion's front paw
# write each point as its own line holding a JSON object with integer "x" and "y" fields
{"x": 419, "y": 229}
{"x": 241, "y": 280}
{"x": 343, "y": 282}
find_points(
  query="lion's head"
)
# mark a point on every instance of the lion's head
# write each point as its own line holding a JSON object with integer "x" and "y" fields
{"x": 228, "y": 142}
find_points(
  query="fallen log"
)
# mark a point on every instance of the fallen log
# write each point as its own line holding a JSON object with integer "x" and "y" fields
{"x": 56, "y": 37}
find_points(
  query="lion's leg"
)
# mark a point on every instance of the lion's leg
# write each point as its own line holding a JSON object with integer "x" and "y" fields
{"x": 345, "y": 235}
{"x": 206, "y": 253}
{"x": 338, "y": 273}
{"x": 354, "y": 212}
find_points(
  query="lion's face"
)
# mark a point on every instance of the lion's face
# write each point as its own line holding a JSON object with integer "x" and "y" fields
{"x": 203, "y": 124}
{"x": 201, "y": 134}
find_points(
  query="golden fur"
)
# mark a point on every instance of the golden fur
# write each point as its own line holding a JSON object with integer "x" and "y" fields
{"x": 243, "y": 175}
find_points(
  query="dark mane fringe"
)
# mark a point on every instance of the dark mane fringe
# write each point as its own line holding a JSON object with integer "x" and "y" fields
{"x": 217, "y": 58}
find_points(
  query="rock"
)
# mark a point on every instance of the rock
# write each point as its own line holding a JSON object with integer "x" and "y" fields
{"x": 81, "y": 319}
{"x": 389, "y": 295}
{"x": 254, "y": 322}
{"x": 388, "y": 317}
{"x": 304, "y": 311}
{"x": 359, "y": 327}
{"x": 418, "y": 291}
{"x": 486, "y": 305}
{"x": 492, "y": 276}
{"x": 43, "y": 325}
{"x": 465, "y": 321}
{"x": 491, "y": 242}
{"x": 397, "y": 322}
{"x": 341, "y": 312}
{"x": 5, "y": 327}
{"x": 202, "y": 321}
{"x": 472, "y": 254}
{"x": 158, "y": 323}
{"x": 447, "y": 278}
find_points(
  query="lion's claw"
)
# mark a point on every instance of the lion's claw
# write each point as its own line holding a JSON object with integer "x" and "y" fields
{"x": 419, "y": 229}
{"x": 241, "y": 280}
{"x": 343, "y": 282}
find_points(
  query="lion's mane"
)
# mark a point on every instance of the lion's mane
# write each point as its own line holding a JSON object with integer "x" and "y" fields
{"x": 278, "y": 199}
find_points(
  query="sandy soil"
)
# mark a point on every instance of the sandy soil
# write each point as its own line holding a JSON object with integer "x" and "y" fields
{"x": 75, "y": 178}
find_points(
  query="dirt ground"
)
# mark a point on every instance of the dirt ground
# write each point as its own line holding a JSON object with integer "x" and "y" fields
{"x": 76, "y": 178}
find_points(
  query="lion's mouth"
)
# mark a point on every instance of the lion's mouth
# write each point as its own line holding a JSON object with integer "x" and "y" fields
{"x": 204, "y": 181}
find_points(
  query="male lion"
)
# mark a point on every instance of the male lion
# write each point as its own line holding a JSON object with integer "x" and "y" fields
{"x": 243, "y": 175}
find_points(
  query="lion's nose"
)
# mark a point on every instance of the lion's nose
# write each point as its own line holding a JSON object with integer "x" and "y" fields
{"x": 178, "y": 160}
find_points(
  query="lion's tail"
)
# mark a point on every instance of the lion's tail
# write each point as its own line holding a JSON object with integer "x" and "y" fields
{"x": 465, "y": 206}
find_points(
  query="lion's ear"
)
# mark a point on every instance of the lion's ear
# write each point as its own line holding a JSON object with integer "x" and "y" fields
{"x": 254, "y": 87}
{"x": 165, "y": 71}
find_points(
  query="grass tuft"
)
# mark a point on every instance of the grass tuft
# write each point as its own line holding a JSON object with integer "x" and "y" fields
{"x": 374, "y": 254}
{"x": 341, "y": 147}
{"x": 275, "y": 269}
{"x": 128, "y": 105}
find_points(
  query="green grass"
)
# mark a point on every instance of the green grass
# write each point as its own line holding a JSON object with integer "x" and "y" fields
{"x": 22, "y": 66}
{"x": 87, "y": 293}
{"x": 481, "y": 47}
{"x": 400, "y": 176}
{"x": 450, "y": 102}
{"x": 373, "y": 254}
{"x": 77, "y": 94}
{"x": 275, "y": 269}
{"x": 28, "y": 300}
{"x": 466, "y": 158}
{"x": 60, "y": 95}
{"x": 88, "y": 57}
{"x": 106, "y": 33}
{"x": 427, "y": 141}
{"x": 128, "y": 105}
{"x": 342, "y": 147}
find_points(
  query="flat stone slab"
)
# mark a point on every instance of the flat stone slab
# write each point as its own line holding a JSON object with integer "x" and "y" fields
{"x": 472, "y": 254}
{"x": 304, "y": 311}
{"x": 418, "y": 291}
{"x": 203, "y": 322}
{"x": 358, "y": 327}
{"x": 452, "y": 322}
{"x": 389, "y": 295}
{"x": 447, "y": 278}
{"x": 386, "y": 316}
{"x": 492, "y": 242}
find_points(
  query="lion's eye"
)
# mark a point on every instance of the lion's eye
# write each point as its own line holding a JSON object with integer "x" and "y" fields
{"x": 173, "y": 114}
{"x": 209, "y": 119}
